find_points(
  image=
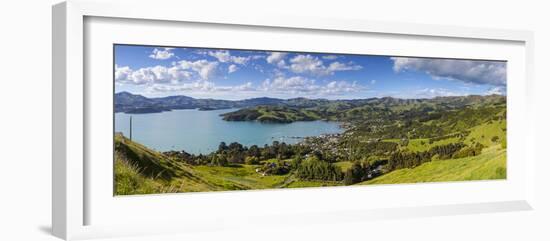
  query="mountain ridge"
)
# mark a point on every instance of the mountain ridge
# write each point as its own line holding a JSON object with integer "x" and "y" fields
{"x": 134, "y": 103}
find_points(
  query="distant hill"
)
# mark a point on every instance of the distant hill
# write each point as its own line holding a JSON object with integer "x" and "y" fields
{"x": 361, "y": 109}
{"x": 131, "y": 103}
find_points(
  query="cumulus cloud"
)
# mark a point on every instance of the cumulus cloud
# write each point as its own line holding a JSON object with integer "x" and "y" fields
{"x": 244, "y": 87}
{"x": 308, "y": 64}
{"x": 468, "y": 71}
{"x": 308, "y": 87}
{"x": 339, "y": 87}
{"x": 330, "y": 57}
{"x": 200, "y": 86}
{"x": 162, "y": 54}
{"x": 204, "y": 68}
{"x": 151, "y": 75}
{"x": 225, "y": 57}
{"x": 178, "y": 72}
{"x": 499, "y": 90}
{"x": 277, "y": 58}
{"x": 337, "y": 66}
{"x": 293, "y": 84}
{"x": 435, "y": 92}
{"x": 232, "y": 68}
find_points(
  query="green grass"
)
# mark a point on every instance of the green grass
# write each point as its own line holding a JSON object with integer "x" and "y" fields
{"x": 485, "y": 132}
{"x": 130, "y": 180}
{"x": 491, "y": 164}
{"x": 419, "y": 145}
{"x": 344, "y": 165}
{"x": 241, "y": 177}
{"x": 423, "y": 144}
{"x": 303, "y": 183}
{"x": 144, "y": 170}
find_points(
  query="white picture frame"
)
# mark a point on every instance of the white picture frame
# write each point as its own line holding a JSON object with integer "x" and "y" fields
{"x": 74, "y": 105}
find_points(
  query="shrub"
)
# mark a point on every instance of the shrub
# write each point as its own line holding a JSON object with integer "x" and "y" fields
{"x": 354, "y": 174}
{"x": 251, "y": 160}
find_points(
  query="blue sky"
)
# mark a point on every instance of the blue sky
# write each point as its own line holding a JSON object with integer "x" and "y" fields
{"x": 239, "y": 74}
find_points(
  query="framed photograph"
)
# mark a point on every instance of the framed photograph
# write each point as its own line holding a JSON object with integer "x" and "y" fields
{"x": 171, "y": 121}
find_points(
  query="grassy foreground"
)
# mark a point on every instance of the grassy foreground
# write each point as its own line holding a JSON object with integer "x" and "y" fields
{"x": 157, "y": 173}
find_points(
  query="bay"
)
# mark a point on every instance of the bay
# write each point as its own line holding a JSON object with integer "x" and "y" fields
{"x": 202, "y": 131}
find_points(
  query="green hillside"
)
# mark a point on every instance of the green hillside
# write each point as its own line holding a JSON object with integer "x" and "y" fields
{"x": 491, "y": 164}
{"x": 274, "y": 114}
{"x": 140, "y": 170}
{"x": 385, "y": 141}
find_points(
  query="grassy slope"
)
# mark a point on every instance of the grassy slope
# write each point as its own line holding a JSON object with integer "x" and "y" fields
{"x": 485, "y": 132}
{"x": 419, "y": 145}
{"x": 130, "y": 180}
{"x": 142, "y": 169}
{"x": 491, "y": 164}
{"x": 239, "y": 177}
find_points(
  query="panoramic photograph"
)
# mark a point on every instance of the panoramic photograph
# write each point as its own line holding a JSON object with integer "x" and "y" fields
{"x": 190, "y": 119}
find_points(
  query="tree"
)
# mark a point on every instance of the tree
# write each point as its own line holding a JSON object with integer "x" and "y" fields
{"x": 254, "y": 151}
{"x": 315, "y": 169}
{"x": 354, "y": 174}
{"x": 295, "y": 163}
{"x": 251, "y": 160}
{"x": 219, "y": 160}
{"x": 348, "y": 177}
{"x": 222, "y": 147}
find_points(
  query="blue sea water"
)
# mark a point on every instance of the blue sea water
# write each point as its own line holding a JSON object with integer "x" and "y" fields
{"x": 202, "y": 131}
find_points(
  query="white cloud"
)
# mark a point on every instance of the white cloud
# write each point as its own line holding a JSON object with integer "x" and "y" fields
{"x": 204, "y": 68}
{"x": 275, "y": 57}
{"x": 244, "y": 87}
{"x": 330, "y": 57}
{"x": 122, "y": 74}
{"x": 337, "y": 66}
{"x": 256, "y": 57}
{"x": 232, "y": 68}
{"x": 225, "y": 57}
{"x": 468, "y": 71}
{"x": 435, "y": 92}
{"x": 307, "y": 64}
{"x": 292, "y": 84}
{"x": 278, "y": 59}
{"x": 338, "y": 87}
{"x": 373, "y": 82}
{"x": 162, "y": 54}
{"x": 308, "y": 87}
{"x": 200, "y": 87}
{"x": 151, "y": 75}
{"x": 499, "y": 90}
{"x": 178, "y": 72}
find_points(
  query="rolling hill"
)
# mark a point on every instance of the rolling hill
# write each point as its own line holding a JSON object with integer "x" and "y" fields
{"x": 386, "y": 140}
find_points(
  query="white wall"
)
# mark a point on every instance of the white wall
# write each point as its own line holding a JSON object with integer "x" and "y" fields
{"x": 25, "y": 93}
